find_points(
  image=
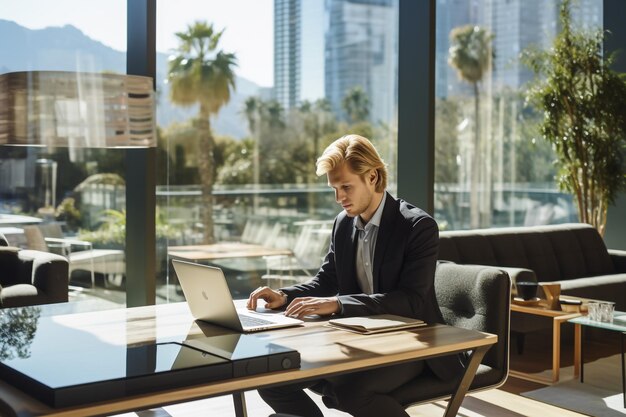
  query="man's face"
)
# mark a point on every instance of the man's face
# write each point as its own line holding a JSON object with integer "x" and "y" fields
{"x": 353, "y": 192}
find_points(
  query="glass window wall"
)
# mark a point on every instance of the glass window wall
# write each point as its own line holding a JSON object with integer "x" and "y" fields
{"x": 492, "y": 167}
{"x": 49, "y": 194}
{"x": 251, "y": 92}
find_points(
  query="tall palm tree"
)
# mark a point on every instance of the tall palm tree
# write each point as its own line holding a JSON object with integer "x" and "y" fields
{"x": 470, "y": 54}
{"x": 253, "y": 108}
{"x": 314, "y": 122}
{"x": 356, "y": 104}
{"x": 274, "y": 115}
{"x": 201, "y": 73}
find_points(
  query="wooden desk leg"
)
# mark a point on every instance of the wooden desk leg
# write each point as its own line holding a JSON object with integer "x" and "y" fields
{"x": 239, "y": 400}
{"x": 556, "y": 349}
{"x": 470, "y": 371}
{"x": 577, "y": 344}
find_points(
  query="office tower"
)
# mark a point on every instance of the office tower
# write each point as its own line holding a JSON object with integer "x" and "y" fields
{"x": 361, "y": 50}
{"x": 314, "y": 24}
{"x": 518, "y": 24}
{"x": 450, "y": 14}
{"x": 299, "y": 44}
{"x": 287, "y": 51}
{"x": 588, "y": 14}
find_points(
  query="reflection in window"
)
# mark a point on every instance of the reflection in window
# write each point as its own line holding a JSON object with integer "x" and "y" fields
{"x": 492, "y": 168}
{"x": 271, "y": 216}
{"x": 66, "y": 191}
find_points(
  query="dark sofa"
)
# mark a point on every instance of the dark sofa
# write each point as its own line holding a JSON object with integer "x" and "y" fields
{"x": 30, "y": 277}
{"x": 573, "y": 255}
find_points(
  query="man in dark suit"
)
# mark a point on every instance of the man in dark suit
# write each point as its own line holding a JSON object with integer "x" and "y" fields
{"x": 381, "y": 260}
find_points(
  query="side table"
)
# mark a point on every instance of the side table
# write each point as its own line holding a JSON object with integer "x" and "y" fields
{"x": 618, "y": 325}
{"x": 558, "y": 318}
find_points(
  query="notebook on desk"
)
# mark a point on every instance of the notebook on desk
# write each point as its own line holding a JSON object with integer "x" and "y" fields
{"x": 209, "y": 299}
{"x": 376, "y": 324}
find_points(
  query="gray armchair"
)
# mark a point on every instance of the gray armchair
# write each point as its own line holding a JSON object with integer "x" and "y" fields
{"x": 472, "y": 297}
{"x": 29, "y": 277}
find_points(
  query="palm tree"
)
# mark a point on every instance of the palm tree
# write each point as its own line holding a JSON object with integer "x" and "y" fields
{"x": 470, "y": 54}
{"x": 201, "y": 73}
{"x": 274, "y": 115}
{"x": 253, "y": 107}
{"x": 317, "y": 120}
{"x": 356, "y": 104}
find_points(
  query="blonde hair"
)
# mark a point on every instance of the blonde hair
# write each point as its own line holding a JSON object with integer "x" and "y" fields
{"x": 360, "y": 155}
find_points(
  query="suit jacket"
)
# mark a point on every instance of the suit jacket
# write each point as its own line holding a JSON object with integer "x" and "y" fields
{"x": 405, "y": 259}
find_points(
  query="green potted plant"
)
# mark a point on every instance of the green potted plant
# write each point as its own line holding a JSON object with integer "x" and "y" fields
{"x": 584, "y": 106}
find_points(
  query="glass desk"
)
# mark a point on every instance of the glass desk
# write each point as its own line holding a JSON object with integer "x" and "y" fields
{"x": 618, "y": 325}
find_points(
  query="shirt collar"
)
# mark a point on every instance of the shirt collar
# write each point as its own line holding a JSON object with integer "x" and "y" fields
{"x": 375, "y": 220}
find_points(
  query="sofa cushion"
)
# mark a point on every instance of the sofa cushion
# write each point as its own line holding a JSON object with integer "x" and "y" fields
{"x": 9, "y": 266}
{"x": 569, "y": 254}
{"x": 618, "y": 258}
{"x": 540, "y": 255}
{"x": 554, "y": 252}
{"x": 447, "y": 249}
{"x": 597, "y": 258}
{"x": 471, "y": 249}
{"x": 509, "y": 250}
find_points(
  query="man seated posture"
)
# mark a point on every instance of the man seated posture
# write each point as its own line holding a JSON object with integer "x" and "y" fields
{"x": 381, "y": 260}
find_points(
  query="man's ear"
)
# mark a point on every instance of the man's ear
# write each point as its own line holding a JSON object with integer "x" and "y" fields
{"x": 373, "y": 176}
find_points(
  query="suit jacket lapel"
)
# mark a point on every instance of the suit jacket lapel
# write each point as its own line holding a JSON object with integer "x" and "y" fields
{"x": 347, "y": 246}
{"x": 385, "y": 231}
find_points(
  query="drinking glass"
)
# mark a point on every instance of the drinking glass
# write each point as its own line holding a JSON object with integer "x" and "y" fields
{"x": 606, "y": 312}
{"x": 594, "y": 310}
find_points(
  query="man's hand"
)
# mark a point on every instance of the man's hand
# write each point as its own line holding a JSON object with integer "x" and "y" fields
{"x": 306, "y": 306}
{"x": 273, "y": 299}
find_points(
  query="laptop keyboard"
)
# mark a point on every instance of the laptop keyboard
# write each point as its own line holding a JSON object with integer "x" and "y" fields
{"x": 253, "y": 321}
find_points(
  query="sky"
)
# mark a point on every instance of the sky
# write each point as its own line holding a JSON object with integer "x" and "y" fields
{"x": 249, "y": 25}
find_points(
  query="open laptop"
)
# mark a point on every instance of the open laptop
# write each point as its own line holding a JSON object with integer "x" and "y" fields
{"x": 209, "y": 300}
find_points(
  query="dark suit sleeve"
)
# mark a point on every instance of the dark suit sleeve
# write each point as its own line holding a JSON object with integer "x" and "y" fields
{"x": 406, "y": 283}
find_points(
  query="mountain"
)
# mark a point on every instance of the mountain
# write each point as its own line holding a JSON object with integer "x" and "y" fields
{"x": 68, "y": 49}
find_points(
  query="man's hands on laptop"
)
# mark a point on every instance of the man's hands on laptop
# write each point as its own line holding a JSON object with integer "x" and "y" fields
{"x": 299, "y": 307}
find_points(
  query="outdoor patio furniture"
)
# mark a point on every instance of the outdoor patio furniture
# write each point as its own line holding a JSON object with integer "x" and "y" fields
{"x": 109, "y": 262}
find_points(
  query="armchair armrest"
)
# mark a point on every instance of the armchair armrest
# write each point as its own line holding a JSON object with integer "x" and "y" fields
{"x": 519, "y": 274}
{"x": 515, "y": 274}
{"x": 49, "y": 273}
{"x": 619, "y": 259}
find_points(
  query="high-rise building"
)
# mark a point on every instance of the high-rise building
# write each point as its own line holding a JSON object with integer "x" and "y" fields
{"x": 314, "y": 23}
{"x": 361, "y": 51}
{"x": 299, "y": 44}
{"x": 325, "y": 48}
{"x": 450, "y": 14}
{"x": 287, "y": 51}
{"x": 515, "y": 25}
